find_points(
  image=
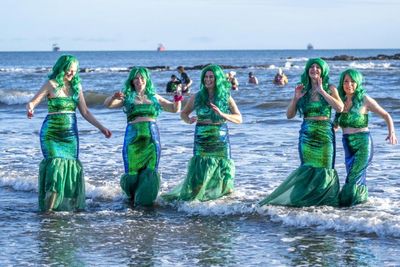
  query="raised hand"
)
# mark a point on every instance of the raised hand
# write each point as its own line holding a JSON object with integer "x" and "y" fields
{"x": 119, "y": 95}
{"x": 298, "y": 91}
{"x": 319, "y": 85}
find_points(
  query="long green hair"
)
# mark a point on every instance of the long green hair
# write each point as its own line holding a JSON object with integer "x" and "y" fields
{"x": 62, "y": 66}
{"x": 130, "y": 92}
{"x": 221, "y": 94}
{"x": 359, "y": 92}
{"x": 306, "y": 81}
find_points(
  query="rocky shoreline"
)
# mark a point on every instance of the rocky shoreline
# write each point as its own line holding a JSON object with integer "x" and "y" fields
{"x": 352, "y": 58}
{"x": 263, "y": 66}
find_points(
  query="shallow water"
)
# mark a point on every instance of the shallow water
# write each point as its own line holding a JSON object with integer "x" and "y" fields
{"x": 231, "y": 231}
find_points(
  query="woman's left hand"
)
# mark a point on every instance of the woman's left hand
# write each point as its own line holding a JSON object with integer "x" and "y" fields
{"x": 216, "y": 109}
{"x": 320, "y": 89}
{"x": 392, "y": 138}
{"x": 107, "y": 133}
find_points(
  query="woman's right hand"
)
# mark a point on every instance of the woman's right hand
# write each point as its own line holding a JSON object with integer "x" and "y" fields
{"x": 118, "y": 95}
{"x": 107, "y": 133}
{"x": 192, "y": 119}
{"x": 29, "y": 113}
{"x": 298, "y": 91}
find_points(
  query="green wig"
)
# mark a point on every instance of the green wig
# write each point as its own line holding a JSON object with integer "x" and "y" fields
{"x": 221, "y": 94}
{"x": 62, "y": 66}
{"x": 359, "y": 93}
{"x": 130, "y": 92}
{"x": 306, "y": 81}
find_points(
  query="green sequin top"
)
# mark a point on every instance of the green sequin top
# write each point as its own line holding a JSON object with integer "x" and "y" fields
{"x": 352, "y": 120}
{"x": 204, "y": 114}
{"x": 61, "y": 104}
{"x": 142, "y": 110}
{"x": 316, "y": 109}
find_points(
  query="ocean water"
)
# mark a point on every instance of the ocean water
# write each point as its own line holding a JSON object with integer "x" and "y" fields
{"x": 232, "y": 231}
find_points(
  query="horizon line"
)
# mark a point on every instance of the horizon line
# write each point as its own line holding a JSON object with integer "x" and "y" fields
{"x": 197, "y": 50}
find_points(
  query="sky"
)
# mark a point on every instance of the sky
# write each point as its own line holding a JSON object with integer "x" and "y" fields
{"x": 98, "y": 25}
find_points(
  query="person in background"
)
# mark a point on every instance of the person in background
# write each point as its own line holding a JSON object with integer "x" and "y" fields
{"x": 280, "y": 78}
{"x": 61, "y": 182}
{"x": 211, "y": 170}
{"x": 232, "y": 79}
{"x": 185, "y": 80}
{"x": 172, "y": 85}
{"x": 142, "y": 149}
{"x": 357, "y": 141}
{"x": 252, "y": 79}
{"x": 315, "y": 182}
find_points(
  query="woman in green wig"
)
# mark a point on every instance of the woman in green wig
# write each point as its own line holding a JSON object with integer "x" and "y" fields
{"x": 61, "y": 182}
{"x": 357, "y": 141}
{"x": 142, "y": 149}
{"x": 211, "y": 170}
{"x": 315, "y": 182}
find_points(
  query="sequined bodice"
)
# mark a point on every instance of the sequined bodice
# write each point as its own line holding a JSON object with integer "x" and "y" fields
{"x": 316, "y": 109}
{"x": 61, "y": 104}
{"x": 142, "y": 110}
{"x": 352, "y": 120}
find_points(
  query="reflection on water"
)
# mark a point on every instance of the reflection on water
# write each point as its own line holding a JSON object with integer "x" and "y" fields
{"x": 58, "y": 241}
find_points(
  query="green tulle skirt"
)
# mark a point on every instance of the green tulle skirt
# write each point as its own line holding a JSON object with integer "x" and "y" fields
{"x": 315, "y": 182}
{"x": 141, "y": 153}
{"x": 211, "y": 170}
{"x": 61, "y": 181}
{"x": 358, "y": 155}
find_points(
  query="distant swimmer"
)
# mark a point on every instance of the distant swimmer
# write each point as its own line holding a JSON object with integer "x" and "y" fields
{"x": 232, "y": 79}
{"x": 280, "y": 78}
{"x": 252, "y": 79}
{"x": 185, "y": 80}
{"x": 173, "y": 84}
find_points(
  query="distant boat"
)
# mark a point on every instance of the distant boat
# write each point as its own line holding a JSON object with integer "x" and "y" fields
{"x": 160, "y": 48}
{"x": 56, "y": 48}
{"x": 310, "y": 47}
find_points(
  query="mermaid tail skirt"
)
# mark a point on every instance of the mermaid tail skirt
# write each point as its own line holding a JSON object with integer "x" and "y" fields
{"x": 141, "y": 154}
{"x": 211, "y": 170}
{"x": 61, "y": 172}
{"x": 358, "y": 153}
{"x": 315, "y": 182}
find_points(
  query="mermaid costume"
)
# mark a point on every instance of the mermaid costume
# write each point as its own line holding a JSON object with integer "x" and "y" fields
{"x": 211, "y": 170}
{"x": 61, "y": 178}
{"x": 141, "y": 154}
{"x": 315, "y": 182}
{"x": 358, "y": 149}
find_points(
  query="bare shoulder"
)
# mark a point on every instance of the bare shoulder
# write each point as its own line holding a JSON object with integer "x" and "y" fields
{"x": 369, "y": 101}
{"x": 231, "y": 100}
{"x": 51, "y": 84}
{"x": 48, "y": 87}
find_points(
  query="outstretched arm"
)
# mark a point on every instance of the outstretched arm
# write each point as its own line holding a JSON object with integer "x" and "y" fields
{"x": 83, "y": 109}
{"x": 115, "y": 101}
{"x": 372, "y": 105}
{"x": 169, "y": 106}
